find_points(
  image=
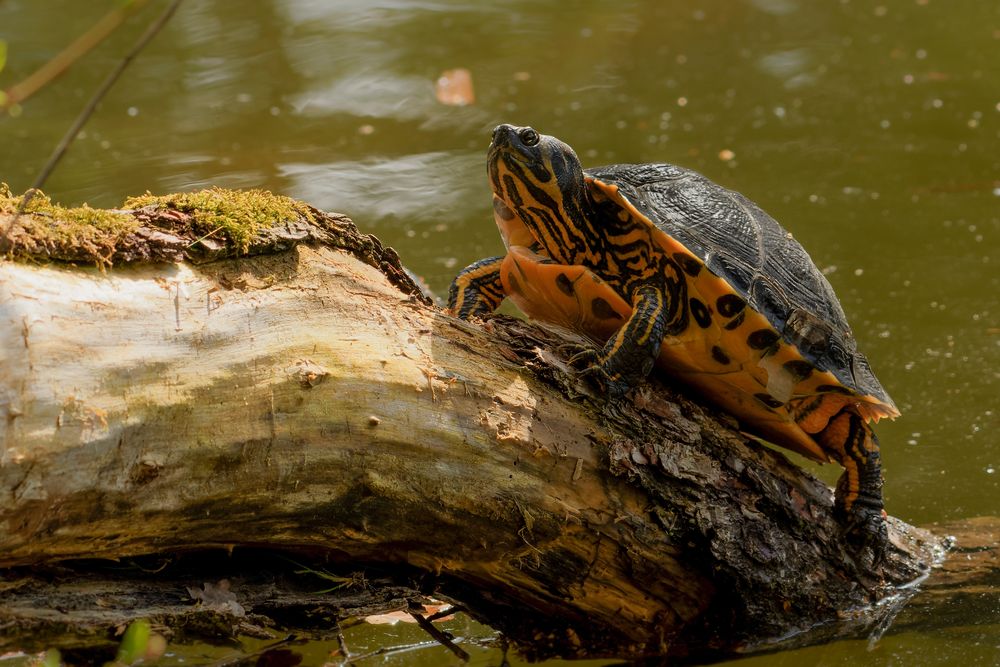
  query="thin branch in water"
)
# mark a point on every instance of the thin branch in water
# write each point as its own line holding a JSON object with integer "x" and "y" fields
{"x": 99, "y": 94}
{"x": 86, "y": 113}
{"x": 63, "y": 60}
{"x": 342, "y": 643}
{"x": 441, "y": 637}
{"x": 388, "y": 650}
{"x": 447, "y": 611}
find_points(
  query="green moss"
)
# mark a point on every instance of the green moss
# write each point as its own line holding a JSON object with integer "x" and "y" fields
{"x": 59, "y": 232}
{"x": 47, "y": 231}
{"x": 237, "y": 214}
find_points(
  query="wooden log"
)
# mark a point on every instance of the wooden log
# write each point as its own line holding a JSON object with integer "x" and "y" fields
{"x": 298, "y": 392}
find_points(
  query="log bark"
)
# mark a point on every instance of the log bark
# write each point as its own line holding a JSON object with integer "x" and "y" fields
{"x": 304, "y": 395}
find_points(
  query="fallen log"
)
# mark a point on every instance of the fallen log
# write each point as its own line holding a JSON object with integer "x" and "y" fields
{"x": 240, "y": 370}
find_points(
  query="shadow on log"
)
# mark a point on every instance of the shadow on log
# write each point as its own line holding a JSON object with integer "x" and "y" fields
{"x": 296, "y": 391}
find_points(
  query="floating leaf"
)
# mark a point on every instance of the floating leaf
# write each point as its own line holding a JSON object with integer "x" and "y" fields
{"x": 454, "y": 87}
{"x": 394, "y": 617}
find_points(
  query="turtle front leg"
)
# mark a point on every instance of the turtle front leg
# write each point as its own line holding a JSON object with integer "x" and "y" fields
{"x": 628, "y": 357}
{"x": 858, "y": 505}
{"x": 477, "y": 289}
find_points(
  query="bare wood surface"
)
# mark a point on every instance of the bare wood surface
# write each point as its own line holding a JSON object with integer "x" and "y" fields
{"x": 308, "y": 398}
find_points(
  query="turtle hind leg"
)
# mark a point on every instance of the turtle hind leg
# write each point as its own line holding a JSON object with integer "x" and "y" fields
{"x": 477, "y": 290}
{"x": 859, "y": 505}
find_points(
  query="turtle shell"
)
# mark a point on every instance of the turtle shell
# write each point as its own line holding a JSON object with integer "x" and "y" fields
{"x": 757, "y": 257}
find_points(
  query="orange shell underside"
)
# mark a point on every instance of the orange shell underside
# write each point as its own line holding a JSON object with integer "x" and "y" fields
{"x": 764, "y": 388}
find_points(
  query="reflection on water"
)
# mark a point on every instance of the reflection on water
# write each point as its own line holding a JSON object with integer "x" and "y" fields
{"x": 869, "y": 130}
{"x": 776, "y": 7}
{"x": 409, "y": 188}
{"x": 789, "y": 67}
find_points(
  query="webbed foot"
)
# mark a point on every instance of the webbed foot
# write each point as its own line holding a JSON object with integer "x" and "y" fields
{"x": 866, "y": 533}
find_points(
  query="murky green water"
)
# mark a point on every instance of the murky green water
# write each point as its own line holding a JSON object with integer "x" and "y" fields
{"x": 871, "y": 130}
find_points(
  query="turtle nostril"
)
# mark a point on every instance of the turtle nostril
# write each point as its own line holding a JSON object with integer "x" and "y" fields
{"x": 502, "y": 134}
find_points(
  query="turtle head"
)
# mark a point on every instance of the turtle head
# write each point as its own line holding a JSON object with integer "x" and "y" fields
{"x": 536, "y": 159}
{"x": 540, "y": 179}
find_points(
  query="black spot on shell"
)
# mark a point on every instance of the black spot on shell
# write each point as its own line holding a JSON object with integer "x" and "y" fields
{"x": 735, "y": 322}
{"x": 565, "y": 285}
{"x": 834, "y": 389}
{"x": 729, "y": 305}
{"x": 719, "y": 355}
{"x": 691, "y": 266}
{"x": 762, "y": 339}
{"x": 799, "y": 369}
{"x": 700, "y": 312}
{"x": 603, "y": 310}
{"x": 768, "y": 400}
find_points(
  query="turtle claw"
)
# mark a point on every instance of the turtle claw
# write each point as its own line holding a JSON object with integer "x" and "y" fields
{"x": 596, "y": 374}
{"x": 587, "y": 361}
{"x": 581, "y": 357}
{"x": 866, "y": 534}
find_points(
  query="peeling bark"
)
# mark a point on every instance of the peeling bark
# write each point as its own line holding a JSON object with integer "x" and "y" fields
{"x": 307, "y": 397}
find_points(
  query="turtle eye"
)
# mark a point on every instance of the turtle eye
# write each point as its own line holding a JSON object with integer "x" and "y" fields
{"x": 528, "y": 136}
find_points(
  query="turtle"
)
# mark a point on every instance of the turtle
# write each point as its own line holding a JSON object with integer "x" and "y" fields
{"x": 659, "y": 266}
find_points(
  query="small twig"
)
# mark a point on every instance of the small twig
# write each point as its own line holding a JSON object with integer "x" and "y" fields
{"x": 444, "y": 639}
{"x": 161, "y": 568}
{"x": 387, "y": 650}
{"x": 447, "y": 611}
{"x": 342, "y": 642}
{"x": 199, "y": 240}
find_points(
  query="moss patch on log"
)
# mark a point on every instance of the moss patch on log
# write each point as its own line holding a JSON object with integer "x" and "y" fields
{"x": 238, "y": 215}
{"x": 230, "y": 222}
{"x": 44, "y": 229}
{"x": 197, "y": 227}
